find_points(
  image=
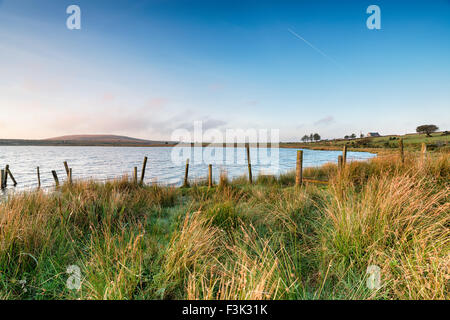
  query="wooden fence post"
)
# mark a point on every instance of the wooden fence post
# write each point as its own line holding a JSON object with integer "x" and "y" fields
{"x": 3, "y": 178}
{"x": 424, "y": 152}
{"x": 210, "y": 178}
{"x": 344, "y": 156}
{"x": 250, "y": 177}
{"x": 144, "y": 165}
{"x": 299, "y": 171}
{"x": 340, "y": 162}
{"x": 135, "y": 176}
{"x": 66, "y": 166}
{"x": 55, "y": 177}
{"x": 8, "y": 172}
{"x": 186, "y": 174}
{"x": 70, "y": 175}
{"x": 402, "y": 155}
{"x": 6, "y": 175}
{"x": 39, "y": 177}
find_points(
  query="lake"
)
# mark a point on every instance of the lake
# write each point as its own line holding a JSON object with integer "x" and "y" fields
{"x": 165, "y": 165}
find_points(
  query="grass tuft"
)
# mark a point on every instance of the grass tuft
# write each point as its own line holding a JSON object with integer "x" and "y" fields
{"x": 268, "y": 240}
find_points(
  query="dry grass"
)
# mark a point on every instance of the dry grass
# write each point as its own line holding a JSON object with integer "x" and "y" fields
{"x": 248, "y": 270}
{"x": 394, "y": 223}
{"x": 269, "y": 240}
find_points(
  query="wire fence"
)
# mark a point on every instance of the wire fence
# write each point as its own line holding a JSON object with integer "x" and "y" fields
{"x": 300, "y": 166}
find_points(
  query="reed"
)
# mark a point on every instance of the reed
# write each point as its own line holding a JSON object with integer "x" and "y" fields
{"x": 266, "y": 240}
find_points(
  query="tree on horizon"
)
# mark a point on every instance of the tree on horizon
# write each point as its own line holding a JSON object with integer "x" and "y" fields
{"x": 427, "y": 129}
{"x": 305, "y": 138}
{"x": 316, "y": 137}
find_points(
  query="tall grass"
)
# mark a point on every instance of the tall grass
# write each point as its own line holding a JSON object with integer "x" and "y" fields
{"x": 270, "y": 240}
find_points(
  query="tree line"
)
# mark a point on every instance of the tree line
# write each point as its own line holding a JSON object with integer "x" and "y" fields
{"x": 312, "y": 137}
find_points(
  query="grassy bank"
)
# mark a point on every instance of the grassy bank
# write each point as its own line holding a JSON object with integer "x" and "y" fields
{"x": 438, "y": 141}
{"x": 269, "y": 240}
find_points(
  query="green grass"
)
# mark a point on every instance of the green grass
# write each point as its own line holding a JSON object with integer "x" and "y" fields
{"x": 413, "y": 140}
{"x": 437, "y": 141}
{"x": 270, "y": 240}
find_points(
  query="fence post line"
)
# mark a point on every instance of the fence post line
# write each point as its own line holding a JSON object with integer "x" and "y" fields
{"x": 402, "y": 155}
{"x": 210, "y": 179}
{"x": 135, "y": 175}
{"x": 250, "y": 177}
{"x": 39, "y": 177}
{"x": 66, "y": 166}
{"x": 55, "y": 177}
{"x": 299, "y": 171}
{"x": 344, "y": 156}
{"x": 186, "y": 174}
{"x": 8, "y": 171}
{"x": 144, "y": 165}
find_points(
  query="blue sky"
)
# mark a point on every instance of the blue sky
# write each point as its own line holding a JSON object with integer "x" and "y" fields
{"x": 145, "y": 68}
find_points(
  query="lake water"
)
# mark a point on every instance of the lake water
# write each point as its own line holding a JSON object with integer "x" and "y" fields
{"x": 165, "y": 165}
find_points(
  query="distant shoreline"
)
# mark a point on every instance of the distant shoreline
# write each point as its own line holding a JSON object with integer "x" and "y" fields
{"x": 382, "y": 144}
{"x": 59, "y": 143}
{"x": 55, "y": 143}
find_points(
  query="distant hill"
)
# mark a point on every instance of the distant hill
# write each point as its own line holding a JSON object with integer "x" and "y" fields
{"x": 86, "y": 140}
{"x": 102, "y": 138}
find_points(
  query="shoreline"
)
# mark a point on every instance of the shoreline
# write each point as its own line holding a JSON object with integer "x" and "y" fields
{"x": 337, "y": 146}
{"x": 161, "y": 183}
{"x": 280, "y": 146}
{"x": 385, "y": 145}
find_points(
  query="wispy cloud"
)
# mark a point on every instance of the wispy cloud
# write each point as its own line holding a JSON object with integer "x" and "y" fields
{"x": 324, "y": 121}
{"x": 207, "y": 123}
{"x": 105, "y": 121}
{"x": 213, "y": 123}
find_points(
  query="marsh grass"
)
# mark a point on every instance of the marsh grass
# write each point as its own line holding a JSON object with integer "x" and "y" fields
{"x": 269, "y": 240}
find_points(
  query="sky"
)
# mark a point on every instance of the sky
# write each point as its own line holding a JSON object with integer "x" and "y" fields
{"x": 145, "y": 68}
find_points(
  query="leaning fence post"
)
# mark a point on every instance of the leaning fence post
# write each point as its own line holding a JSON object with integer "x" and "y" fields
{"x": 344, "y": 156}
{"x": 250, "y": 178}
{"x": 186, "y": 174}
{"x": 55, "y": 177}
{"x": 6, "y": 175}
{"x": 66, "y": 166}
{"x": 39, "y": 177}
{"x": 299, "y": 172}
{"x": 144, "y": 165}
{"x": 8, "y": 172}
{"x": 210, "y": 179}
{"x": 402, "y": 155}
